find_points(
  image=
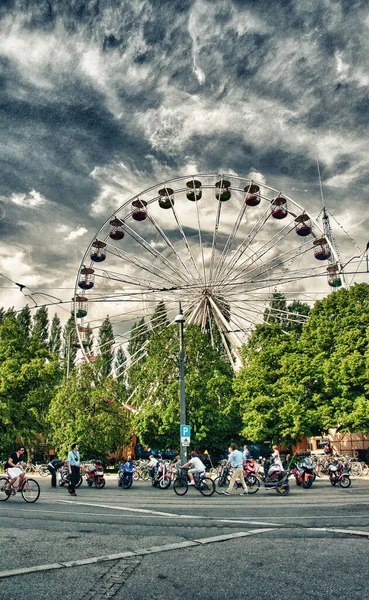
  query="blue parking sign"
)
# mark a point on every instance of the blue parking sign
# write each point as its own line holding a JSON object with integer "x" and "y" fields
{"x": 185, "y": 431}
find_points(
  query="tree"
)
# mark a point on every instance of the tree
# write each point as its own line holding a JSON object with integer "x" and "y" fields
{"x": 106, "y": 342}
{"x": 208, "y": 385}
{"x": 159, "y": 317}
{"x": 40, "y": 327}
{"x": 24, "y": 320}
{"x": 55, "y": 335}
{"x": 70, "y": 343}
{"x": 28, "y": 377}
{"x": 88, "y": 411}
{"x": 257, "y": 386}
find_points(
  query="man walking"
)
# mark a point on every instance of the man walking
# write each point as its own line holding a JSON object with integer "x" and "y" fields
{"x": 74, "y": 469}
{"x": 235, "y": 460}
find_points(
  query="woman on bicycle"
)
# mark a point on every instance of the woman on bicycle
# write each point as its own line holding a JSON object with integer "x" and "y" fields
{"x": 13, "y": 470}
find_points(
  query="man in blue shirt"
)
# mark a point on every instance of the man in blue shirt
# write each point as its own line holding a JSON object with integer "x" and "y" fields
{"x": 74, "y": 469}
{"x": 235, "y": 460}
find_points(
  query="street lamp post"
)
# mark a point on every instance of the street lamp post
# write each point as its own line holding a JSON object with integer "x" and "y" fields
{"x": 180, "y": 319}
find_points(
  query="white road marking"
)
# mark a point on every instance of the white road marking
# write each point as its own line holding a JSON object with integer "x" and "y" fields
{"x": 144, "y": 551}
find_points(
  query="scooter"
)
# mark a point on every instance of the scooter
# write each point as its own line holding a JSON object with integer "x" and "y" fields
{"x": 64, "y": 478}
{"x": 339, "y": 474}
{"x": 95, "y": 474}
{"x": 276, "y": 478}
{"x": 304, "y": 473}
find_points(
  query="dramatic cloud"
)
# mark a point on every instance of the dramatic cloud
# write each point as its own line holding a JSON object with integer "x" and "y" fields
{"x": 103, "y": 99}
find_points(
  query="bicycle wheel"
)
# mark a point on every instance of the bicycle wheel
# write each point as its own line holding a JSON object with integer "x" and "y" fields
{"x": 319, "y": 471}
{"x": 364, "y": 469}
{"x": 180, "y": 486}
{"x": 220, "y": 484}
{"x": 356, "y": 469}
{"x": 30, "y": 490}
{"x": 253, "y": 483}
{"x": 4, "y": 482}
{"x": 44, "y": 471}
{"x": 145, "y": 475}
{"x": 206, "y": 486}
{"x": 79, "y": 482}
{"x": 136, "y": 475}
{"x": 165, "y": 482}
{"x": 284, "y": 489}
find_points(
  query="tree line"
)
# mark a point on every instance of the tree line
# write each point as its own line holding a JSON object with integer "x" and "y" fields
{"x": 299, "y": 377}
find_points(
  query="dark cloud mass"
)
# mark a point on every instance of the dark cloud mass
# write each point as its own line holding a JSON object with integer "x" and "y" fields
{"x": 90, "y": 88}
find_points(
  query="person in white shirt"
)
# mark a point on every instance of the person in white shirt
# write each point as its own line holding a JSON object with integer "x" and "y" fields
{"x": 152, "y": 465}
{"x": 197, "y": 466}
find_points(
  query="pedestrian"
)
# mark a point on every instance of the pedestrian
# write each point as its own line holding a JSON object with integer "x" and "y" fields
{"x": 276, "y": 458}
{"x": 53, "y": 466}
{"x": 246, "y": 452}
{"x": 74, "y": 469}
{"x": 235, "y": 460}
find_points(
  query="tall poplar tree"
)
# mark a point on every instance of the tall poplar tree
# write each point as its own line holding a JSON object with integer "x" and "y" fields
{"x": 55, "y": 335}
{"x": 106, "y": 343}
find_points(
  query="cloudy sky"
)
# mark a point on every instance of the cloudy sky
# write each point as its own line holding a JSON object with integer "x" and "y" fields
{"x": 101, "y": 99}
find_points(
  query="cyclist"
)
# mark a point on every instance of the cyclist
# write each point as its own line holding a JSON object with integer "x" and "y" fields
{"x": 197, "y": 466}
{"x": 13, "y": 470}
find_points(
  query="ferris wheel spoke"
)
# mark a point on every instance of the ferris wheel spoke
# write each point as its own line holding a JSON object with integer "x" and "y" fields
{"x": 125, "y": 278}
{"x": 180, "y": 275}
{"x": 259, "y": 253}
{"x": 214, "y": 242}
{"x": 186, "y": 242}
{"x": 270, "y": 264}
{"x": 243, "y": 247}
{"x": 230, "y": 240}
{"x": 146, "y": 266}
{"x": 170, "y": 245}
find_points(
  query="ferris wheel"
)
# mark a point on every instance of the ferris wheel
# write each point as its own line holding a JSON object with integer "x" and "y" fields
{"x": 220, "y": 245}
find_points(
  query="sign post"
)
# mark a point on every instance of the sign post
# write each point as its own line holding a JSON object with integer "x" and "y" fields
{"x": 180, "y": 320}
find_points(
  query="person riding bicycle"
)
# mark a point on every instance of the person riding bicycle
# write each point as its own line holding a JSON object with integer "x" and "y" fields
{"x": 196, "y": 466}
{"x": 13, "y": 470}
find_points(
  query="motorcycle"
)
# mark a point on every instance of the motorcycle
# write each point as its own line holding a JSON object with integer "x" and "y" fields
{"x": 95, "y": 475}
{"x": 125, "y": 475}
{"x": 304, "y": 473}
{"x": 275, "y": 478}
{"x": 339, "y": 474}
{"x": 160, "y": 477}
{"x": 64, "y": 478}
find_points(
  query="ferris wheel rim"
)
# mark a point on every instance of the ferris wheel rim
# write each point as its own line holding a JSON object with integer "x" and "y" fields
{"x": 194, "y": 177}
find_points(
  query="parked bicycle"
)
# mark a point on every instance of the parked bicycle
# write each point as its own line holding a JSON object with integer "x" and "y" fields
{"x": 205, "y": 485}
{"x": 30, "y": 489}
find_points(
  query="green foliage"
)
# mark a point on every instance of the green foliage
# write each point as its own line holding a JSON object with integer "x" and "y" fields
{"x": 303, "y": 384}
{"x": 55, "y": 335}
{"x": 208, "y": 387}
{"x": 106, "y": 342}
{"x": 40, "y": 327}
{"x": 88, "y": 411}
{"x": 28, "y": 376}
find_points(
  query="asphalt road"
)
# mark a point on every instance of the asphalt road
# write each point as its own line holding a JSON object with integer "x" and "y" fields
{"x": 147, "y": 543}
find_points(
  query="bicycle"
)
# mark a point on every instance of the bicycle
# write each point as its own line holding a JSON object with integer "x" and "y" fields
{"x": 205, "y": 485}
{"x": 30, "y": 489}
